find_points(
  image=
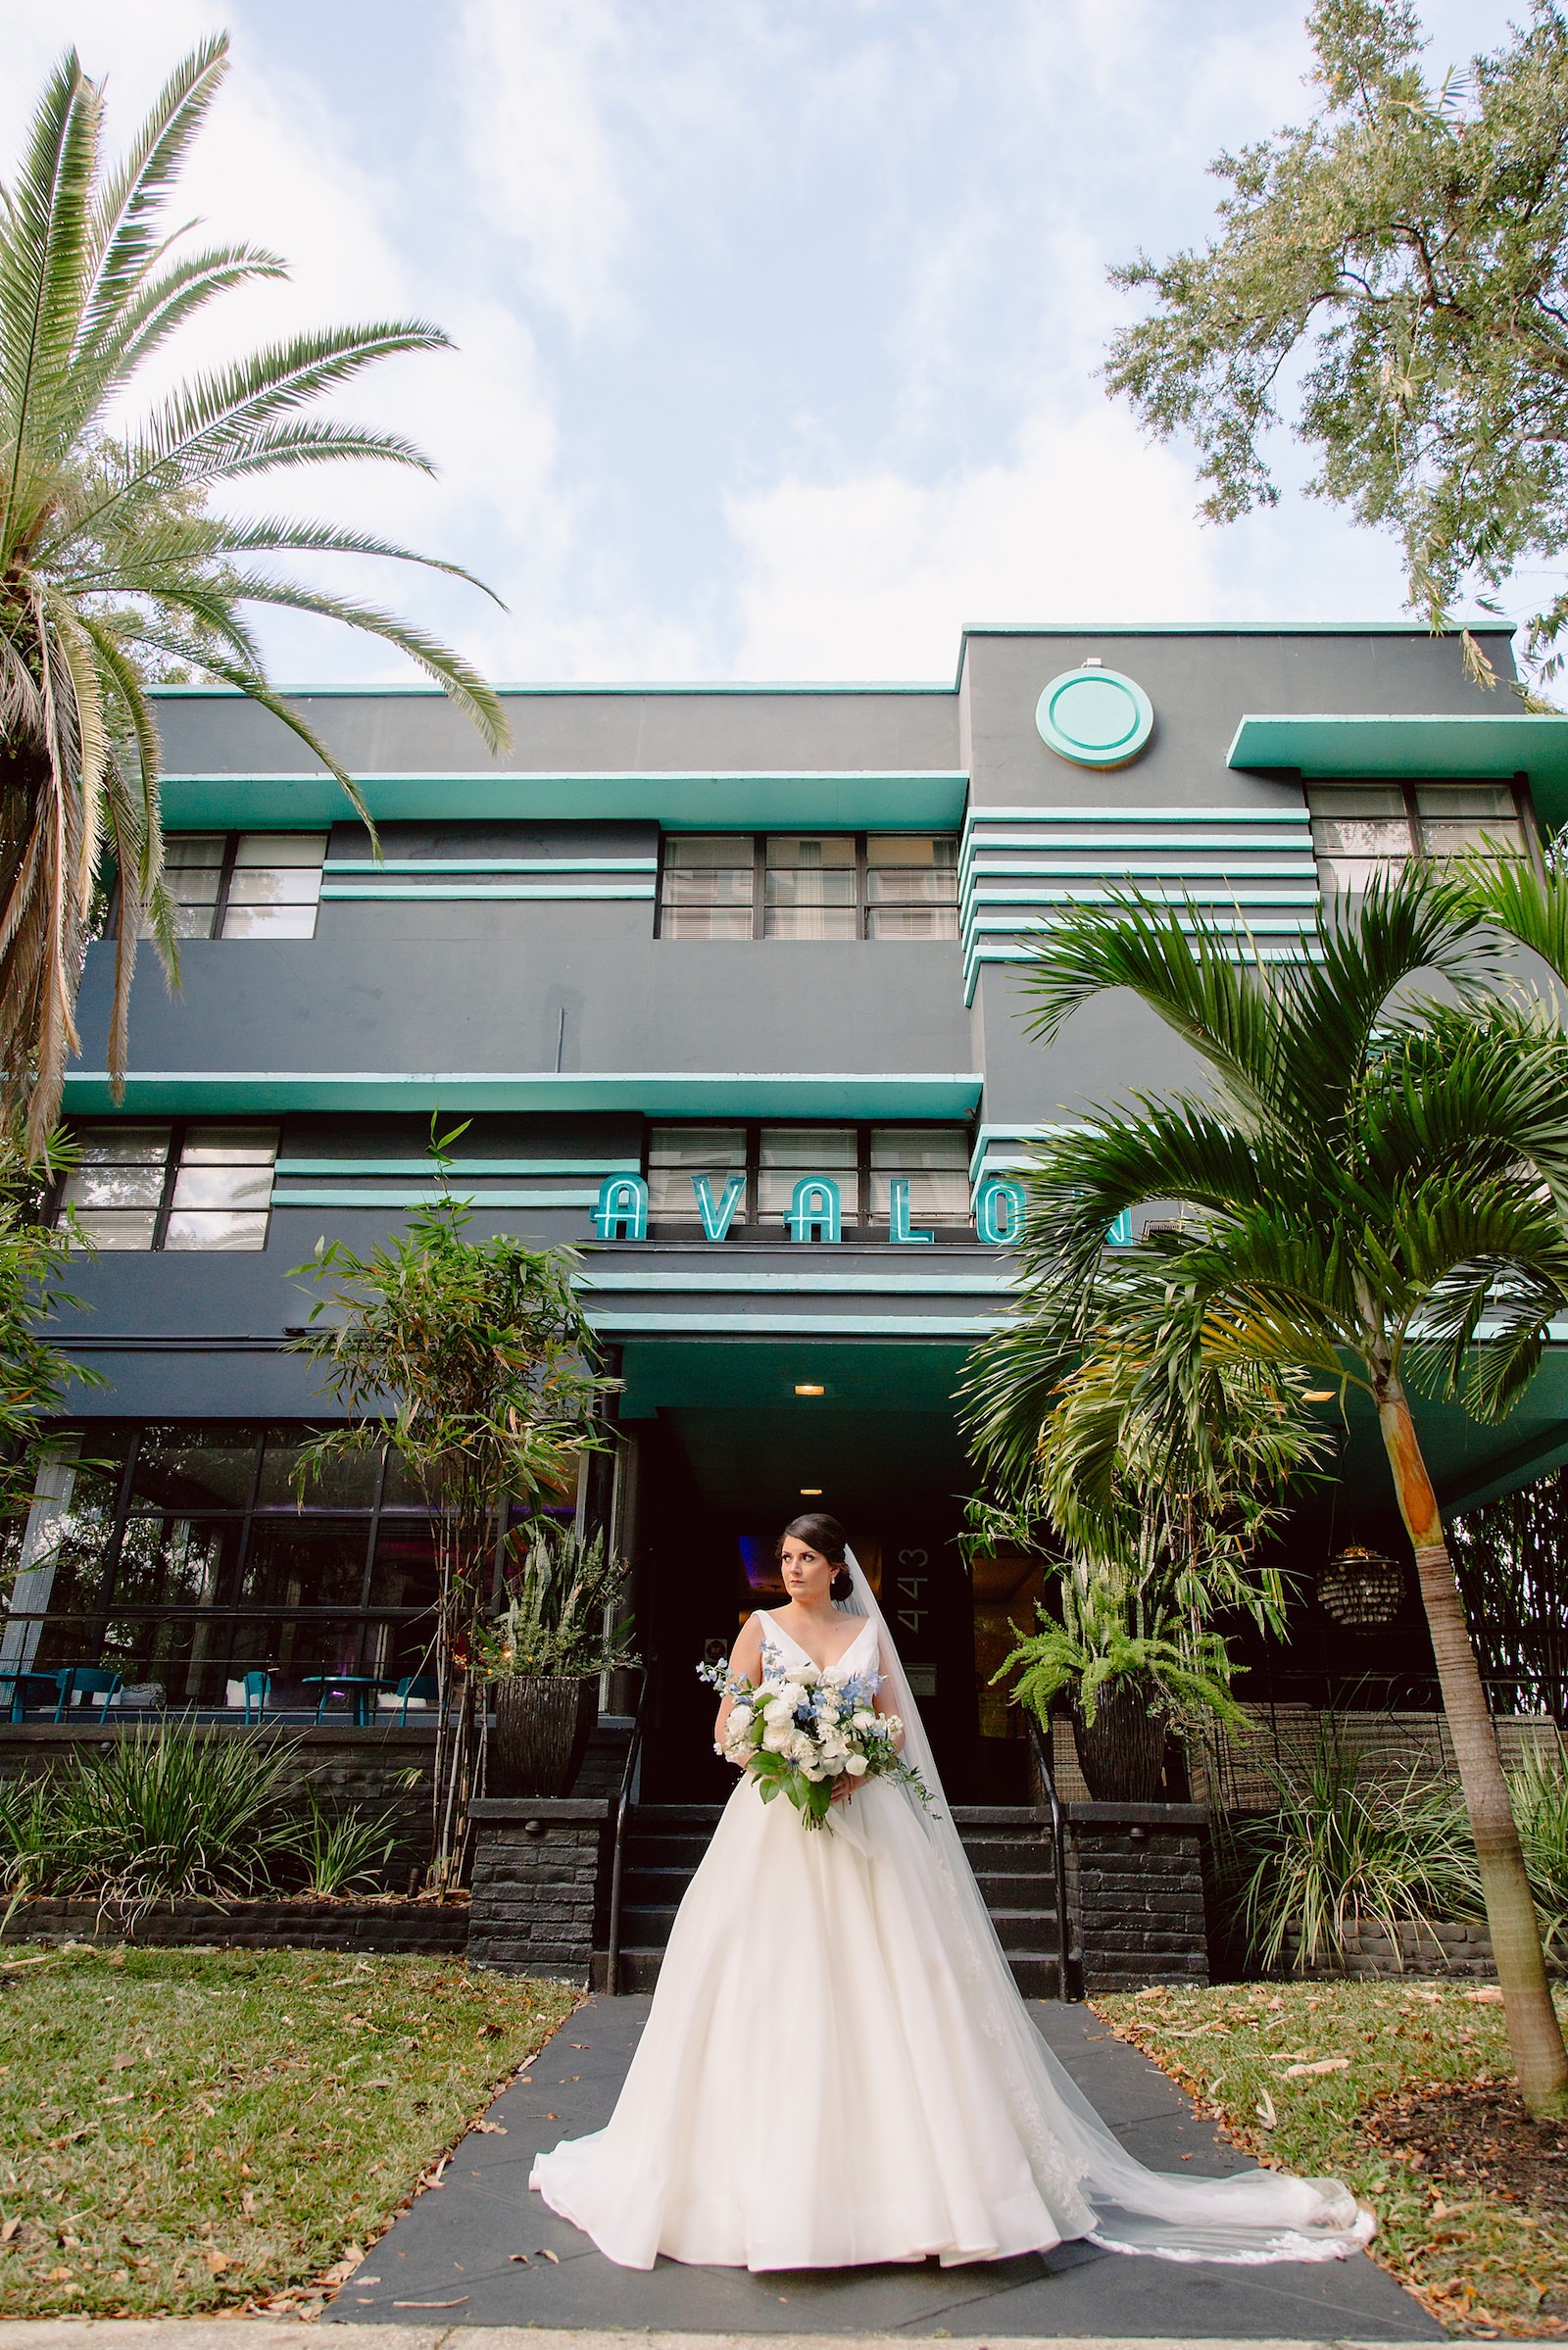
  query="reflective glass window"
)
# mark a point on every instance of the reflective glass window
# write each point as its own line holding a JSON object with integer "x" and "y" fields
{"x": 675, "y": 1154}
{"x": 934, "y": 1160}
{"x": 275, "y": 886}
{"x": 786, "y": 1152}
{"x": 306, "y": 1562}
{"x": 222, "y": 1188}
{"x": 117, "y": 1188}
{"x": 912, "y": 886}
{"x": 1456, "y": 819}
{"x": 812, "y": 887}
{"x": 193, "y": 866}
{"x": 1358, "y": 830}
{"x": 706, "y": 889}
{"x": 184, "y": 1465}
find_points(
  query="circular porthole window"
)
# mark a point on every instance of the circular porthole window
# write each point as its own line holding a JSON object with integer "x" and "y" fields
{"x": 1095, "y": 718}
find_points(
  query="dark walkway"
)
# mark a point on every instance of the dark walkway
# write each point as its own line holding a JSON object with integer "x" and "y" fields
{"x": 450, "y": 2252}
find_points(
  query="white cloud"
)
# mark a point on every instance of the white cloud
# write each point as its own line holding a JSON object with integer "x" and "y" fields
{"x": 539, "y": 143}
{"x": 875, "y": 573}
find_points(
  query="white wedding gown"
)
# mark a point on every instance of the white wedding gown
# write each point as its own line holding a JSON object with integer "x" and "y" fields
{"x": 837, "y": 2069}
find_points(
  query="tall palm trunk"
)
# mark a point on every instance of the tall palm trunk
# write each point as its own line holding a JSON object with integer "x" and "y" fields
{"x": 1533, "y": 2033}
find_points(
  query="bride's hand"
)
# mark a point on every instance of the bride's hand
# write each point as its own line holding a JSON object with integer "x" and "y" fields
{"x": 843, "y": 1788}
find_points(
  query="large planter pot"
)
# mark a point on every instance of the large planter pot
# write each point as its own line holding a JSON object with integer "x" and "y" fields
{"x": 542, "y": 1727}
{"x": 1122, "y": 1752}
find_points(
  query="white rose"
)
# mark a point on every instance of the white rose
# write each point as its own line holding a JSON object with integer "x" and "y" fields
{"x": 739, "y": 1718}
{"x": 777, "y": 1742}
{"x": 779, "y": 1709}
{"x": 803, "y": 1676}
{"x": 855, "y": 1765}
{"x": 810, "y": 1772}
{"x": 835, "y": 1675}
{"x": 863, "y": 1720}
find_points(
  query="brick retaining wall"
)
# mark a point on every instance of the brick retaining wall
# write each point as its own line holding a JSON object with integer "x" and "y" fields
{"x": 344, "y": 1765}
{"x": 1135, "y": 1893}
{"x": 427, "y": 1928}
{"x": 541, "y": 1882}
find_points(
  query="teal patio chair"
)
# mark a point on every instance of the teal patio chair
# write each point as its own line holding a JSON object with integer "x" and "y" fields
{"x": 86, "y": 1680}
{"x": 258, "y": 1689}
{"x": 18, "y": 1686}
{"x": 418, "y": 1686}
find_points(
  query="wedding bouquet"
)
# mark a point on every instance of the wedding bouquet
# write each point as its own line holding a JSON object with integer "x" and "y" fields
{"x": 805, "y": 1727}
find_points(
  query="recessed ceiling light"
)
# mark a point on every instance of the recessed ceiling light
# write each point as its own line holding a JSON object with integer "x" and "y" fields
{"x": 803, "y": 1389}
{"x": 810, "y": 1491}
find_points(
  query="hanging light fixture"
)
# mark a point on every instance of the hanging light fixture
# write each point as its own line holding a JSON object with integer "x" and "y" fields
{"x": 1362, "y": 1588}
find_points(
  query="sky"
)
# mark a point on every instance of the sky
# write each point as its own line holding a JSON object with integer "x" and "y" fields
{"x": 777, "y": 323}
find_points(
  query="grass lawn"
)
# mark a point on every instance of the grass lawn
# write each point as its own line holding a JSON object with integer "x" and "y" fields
{"x": 196, "y": 2130}
{"x": 1481, "y": 2263}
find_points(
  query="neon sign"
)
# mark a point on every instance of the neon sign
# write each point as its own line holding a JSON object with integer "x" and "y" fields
{"x": 815, "y": 1211}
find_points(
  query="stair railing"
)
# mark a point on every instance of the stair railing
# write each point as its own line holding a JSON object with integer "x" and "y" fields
{"x": 1065, "y": 1975}
{"x": 630, "y": 1781}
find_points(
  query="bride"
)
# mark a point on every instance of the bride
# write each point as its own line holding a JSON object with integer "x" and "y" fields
{"x": 837, "y": 2067}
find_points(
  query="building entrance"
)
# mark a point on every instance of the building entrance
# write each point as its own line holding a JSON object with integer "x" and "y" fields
{"x": 731, "y": 1442}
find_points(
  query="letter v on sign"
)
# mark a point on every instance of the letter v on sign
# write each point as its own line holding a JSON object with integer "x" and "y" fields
{"x": 718, "y": 1217}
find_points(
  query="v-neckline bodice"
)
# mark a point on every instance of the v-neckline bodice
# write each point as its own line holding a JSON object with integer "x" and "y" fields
{"x": 782, "y": 1631}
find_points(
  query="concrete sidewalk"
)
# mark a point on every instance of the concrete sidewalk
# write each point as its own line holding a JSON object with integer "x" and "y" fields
{"x": 271, "y": 2333}
{"x": 450, "y": 2260}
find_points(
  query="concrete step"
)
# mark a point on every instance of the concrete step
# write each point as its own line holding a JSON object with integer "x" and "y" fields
{"x": 1024, "y": 1929}
{"x": 1017, "y": 1888}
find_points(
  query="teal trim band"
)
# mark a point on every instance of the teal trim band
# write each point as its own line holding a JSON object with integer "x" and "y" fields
{"x": 804, "y": 1325}
{"x": 526, "y": 688}
{"x": 345, "y": 1196}
{"x": 1198, "y": 890}
{"x": 462, "y": 1170}
{"x": 896, "y": 1282}
{"x": 676, "y": 1094}
{"x": 1486, "y": 745}
{"x": 439, "y": 892}
{"x": 848, "y": 800}
{"x": 488, "y": 865}
{"x": 1146, "y": 812}
{"x": 1095, "y": 860}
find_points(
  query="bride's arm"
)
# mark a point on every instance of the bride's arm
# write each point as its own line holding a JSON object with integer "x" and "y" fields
{"x": 745, "y": 1664}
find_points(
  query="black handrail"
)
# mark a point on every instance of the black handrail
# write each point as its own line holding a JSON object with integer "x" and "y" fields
{"x": 628, "y": 1778}
{"x": 1066, "y": 1988}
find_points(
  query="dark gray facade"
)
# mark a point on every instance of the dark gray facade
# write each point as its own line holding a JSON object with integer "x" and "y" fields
{"x": 505, "y": 962}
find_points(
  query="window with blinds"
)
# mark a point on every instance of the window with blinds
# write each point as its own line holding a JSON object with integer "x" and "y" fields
{"x": 1360, "y": 830}
{"x": 809, "y": 886}
{"x": 244, "y": 885}
{"x": 170, "y": 1186}
{"x": 767, "y": 1161}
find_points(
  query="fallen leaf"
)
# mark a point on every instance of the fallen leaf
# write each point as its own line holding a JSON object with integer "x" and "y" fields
{"x": 8, "y": 2230}
{"x": 520, "y": 2257}
{"x": 1491, "y": 1997}
{"x": 457, "y": 2304}
{"x": 554, "y": 2258}
{"x": 1265, "y": 2111}
{"x": 377, "y": 2085}
{"x": 551, "y": 2117}
{"x": 495, "y": 2130}
{"x": 1325, "y": 2064}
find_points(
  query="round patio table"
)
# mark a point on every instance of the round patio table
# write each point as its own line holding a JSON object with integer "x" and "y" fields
{"x": 361, "y": 1687}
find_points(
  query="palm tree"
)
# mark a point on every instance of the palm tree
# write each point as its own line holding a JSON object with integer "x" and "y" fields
{"x": 1370, "y": 1187}
{"x": 114, "y": 570}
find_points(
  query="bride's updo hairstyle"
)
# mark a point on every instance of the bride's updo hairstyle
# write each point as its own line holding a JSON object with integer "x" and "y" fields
{"x": 825, "y": 1535}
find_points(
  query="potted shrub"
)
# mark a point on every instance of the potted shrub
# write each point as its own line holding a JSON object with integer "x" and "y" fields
{"x": 1127, "y": 1682}
{"x": 543, "y": 1654}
